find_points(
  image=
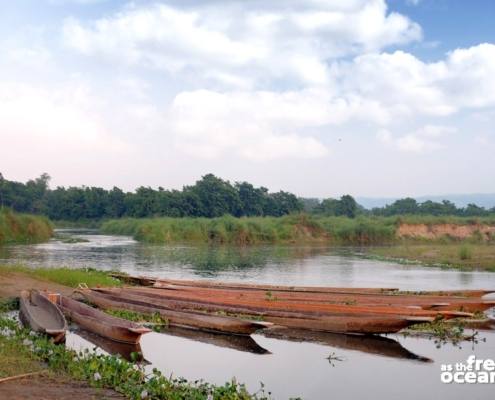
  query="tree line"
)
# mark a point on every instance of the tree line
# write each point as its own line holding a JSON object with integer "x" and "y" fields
{"x": 208, "y": 197}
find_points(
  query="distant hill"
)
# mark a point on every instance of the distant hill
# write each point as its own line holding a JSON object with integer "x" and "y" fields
{"x": 486, "y": 200}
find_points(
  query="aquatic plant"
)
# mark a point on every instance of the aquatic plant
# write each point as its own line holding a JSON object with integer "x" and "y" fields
{"x": 116, "y": 373}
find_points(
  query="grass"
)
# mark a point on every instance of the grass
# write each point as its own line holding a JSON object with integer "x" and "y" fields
{"x": 23, "y": 228}
{"x": 254, "y": 230}
{"x": 156, "y": 320}
{"x": 64, "y": 276}
{"x": 16, "y": 359}
{"x": 460, "y": 255}
{"x": 300, "y": 228}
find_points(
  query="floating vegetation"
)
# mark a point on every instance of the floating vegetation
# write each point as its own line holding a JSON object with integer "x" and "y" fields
{"x": 444, "y": 332}
{"x": 128, "y": 378}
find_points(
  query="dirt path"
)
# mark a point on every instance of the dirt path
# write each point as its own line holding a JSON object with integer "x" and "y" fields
{"x": 11, "y": 284}
{"x": 43, "y": 388}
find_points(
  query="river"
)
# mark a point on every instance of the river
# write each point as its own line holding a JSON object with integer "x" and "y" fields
{"x": 383, "y": 368}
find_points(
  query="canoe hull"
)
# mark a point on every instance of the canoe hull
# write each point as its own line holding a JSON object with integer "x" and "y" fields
{"x": 96, "y": 321}
{"x": 40, "y": 315}
{"x": 177, "y": 318}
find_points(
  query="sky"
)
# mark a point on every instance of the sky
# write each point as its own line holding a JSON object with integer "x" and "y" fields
{"x": 317, "y": 97}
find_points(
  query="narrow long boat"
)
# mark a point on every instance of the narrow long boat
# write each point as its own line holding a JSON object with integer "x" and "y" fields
{"x": 194, "y": 320}
{"x": 42, "y": 316}
{"x": 337, "y": 323}
{"x": 451, "y": 303}
{"x": 99, "y": 322}
{"x": 264, "y": 306}
{"x": 150, "y": 281}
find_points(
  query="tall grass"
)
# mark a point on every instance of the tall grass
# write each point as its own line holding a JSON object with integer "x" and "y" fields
{"x": 230, "y": 230}
{"x": 23, "y": 228}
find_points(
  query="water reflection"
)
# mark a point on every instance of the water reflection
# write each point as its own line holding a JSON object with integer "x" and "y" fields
{"x": 388, "y": 368}
{"x": 301, "y": 265}
{"x": 371, "y": 344}
{"x": 130, "y": 352}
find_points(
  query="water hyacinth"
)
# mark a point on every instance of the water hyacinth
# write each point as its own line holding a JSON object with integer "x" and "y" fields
{"x": 126, "y": 377}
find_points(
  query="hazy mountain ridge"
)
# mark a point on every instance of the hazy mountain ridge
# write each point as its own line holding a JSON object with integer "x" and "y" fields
{"x": 486, "y": 200}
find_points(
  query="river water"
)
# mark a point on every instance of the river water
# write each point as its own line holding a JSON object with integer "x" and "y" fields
{"x": 395, "y": 367}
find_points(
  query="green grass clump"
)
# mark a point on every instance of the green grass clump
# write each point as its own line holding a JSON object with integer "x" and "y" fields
{"x": 465, "y": 253}
{"x": 65, "y": 276}
{"x": 23, "y": 228}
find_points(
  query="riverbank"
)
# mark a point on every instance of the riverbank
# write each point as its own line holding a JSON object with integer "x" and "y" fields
{"x": 302, "y": 228}
{"x": 14, "y": 278}
{"x": 255, "y": 230}
{"x": 23, "y": 228}
{"x": 465, "y": 256}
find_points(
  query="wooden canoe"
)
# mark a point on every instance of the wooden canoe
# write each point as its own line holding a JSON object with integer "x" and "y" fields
{"x": 42, "y": 316}
{"x": 338, "y": 322}
{"x": 99, "y": 322}
{"x": 468, "y": 304}
{"x": 192, "y": 320}
{"x": 248, "y": 306}
{"x": 149, "y": 281}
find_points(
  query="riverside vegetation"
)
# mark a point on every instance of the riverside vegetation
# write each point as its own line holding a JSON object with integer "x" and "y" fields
{"x": 23, "y": 228}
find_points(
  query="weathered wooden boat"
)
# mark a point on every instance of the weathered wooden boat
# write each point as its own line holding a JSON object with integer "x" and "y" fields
{"x": 337, "y": 322}
{"x": 173, "y": 299}
{"x": 41, "y": 315}
{"x": 159, "y": 282}
{"x": 193, "y": 320}
{"x": 451, "y": 303}
{"x": 99, "y": 322}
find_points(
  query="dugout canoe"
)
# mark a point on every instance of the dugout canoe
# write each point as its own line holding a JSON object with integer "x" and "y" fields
{"x": 439, "y": 303}
{"x": 41, "y": 315}
{"x": 176, "y": 300}
{"x": 191, "y": 320}
{"x": 96, "y": 321}
{"x": 157, "y": 282}
{"x": 338, "y": 322}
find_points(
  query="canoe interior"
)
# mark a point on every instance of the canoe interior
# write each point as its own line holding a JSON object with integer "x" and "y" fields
{"x": 87, "y": 311}
{"x": 41, "y": 315}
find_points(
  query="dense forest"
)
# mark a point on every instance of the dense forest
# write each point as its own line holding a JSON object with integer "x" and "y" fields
{"x": 208, "y": 197}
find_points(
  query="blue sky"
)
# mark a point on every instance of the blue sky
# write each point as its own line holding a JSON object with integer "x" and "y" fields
{"x": 320, "y": 98}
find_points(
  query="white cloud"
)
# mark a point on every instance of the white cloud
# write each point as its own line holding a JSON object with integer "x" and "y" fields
{"x": 258, "y": 38}
{"x": 52, "y": 120}
{"x": 424, "y": 139}
{"x": 256, "y": 126}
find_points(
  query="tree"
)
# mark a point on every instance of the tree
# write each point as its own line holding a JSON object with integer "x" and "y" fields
{"x": 347, "y": 206}
{"x": 216, "y": 197}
